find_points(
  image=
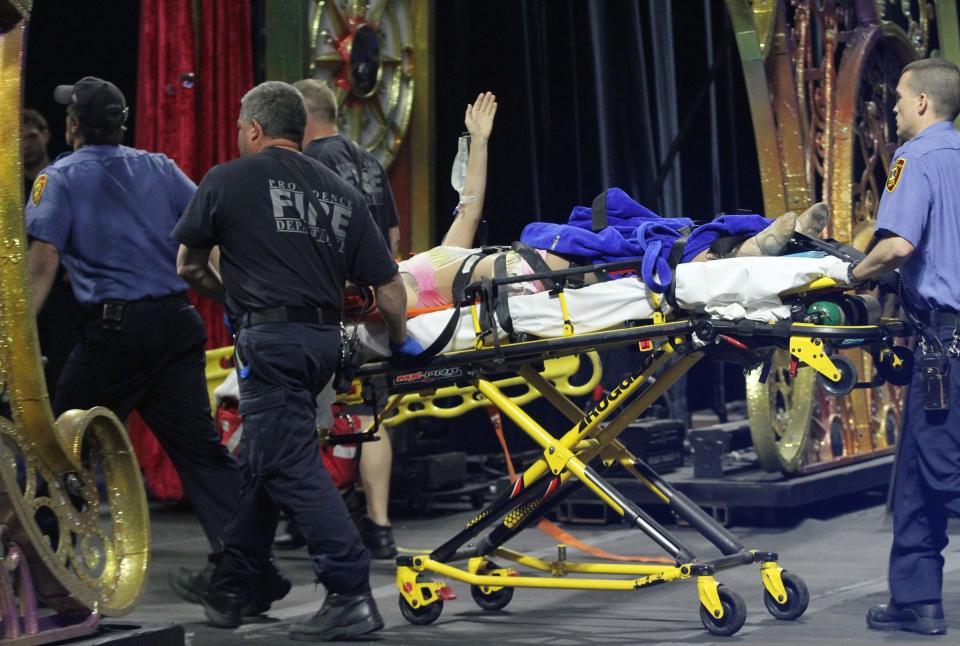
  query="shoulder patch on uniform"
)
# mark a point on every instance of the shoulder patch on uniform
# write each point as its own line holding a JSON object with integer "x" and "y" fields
{"x": 895, "y": 174}
{"x": 38, "y": 185}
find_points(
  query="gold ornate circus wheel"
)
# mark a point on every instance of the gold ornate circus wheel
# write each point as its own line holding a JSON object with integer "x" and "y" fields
{"x": 72, "y": 497}
{"x": 821, "y": 78}
{"x": 365, "y": 51}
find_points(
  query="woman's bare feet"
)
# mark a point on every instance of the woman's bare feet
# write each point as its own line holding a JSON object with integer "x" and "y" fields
{"x": 814, "y": 220}
{"x": 771, "y": 240}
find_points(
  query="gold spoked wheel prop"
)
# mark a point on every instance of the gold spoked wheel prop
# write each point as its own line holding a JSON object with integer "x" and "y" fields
{"x": 821, "y": 78}
{"x": 72, "y": 497}
{"x": 366, "y": 51}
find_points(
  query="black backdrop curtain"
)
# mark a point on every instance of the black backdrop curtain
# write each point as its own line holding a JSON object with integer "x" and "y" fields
{"x": 591, "y": 95}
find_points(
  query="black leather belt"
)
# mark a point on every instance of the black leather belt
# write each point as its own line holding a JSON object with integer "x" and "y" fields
{"x": 288, "y": 314}
{"x": 112, "y": 313}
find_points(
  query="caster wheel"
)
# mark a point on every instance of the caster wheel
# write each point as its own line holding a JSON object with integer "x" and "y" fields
{"x": 423, "y": 615}
{"x": 848, "y": 377}
{"x": 734, "y": 614}
{"x": 896, "y": 375}
{"x": 494, "y": 601}
{"x": 797, "y": 598}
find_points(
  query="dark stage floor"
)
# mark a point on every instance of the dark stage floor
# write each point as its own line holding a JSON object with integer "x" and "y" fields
{"x": 841, "y": 556}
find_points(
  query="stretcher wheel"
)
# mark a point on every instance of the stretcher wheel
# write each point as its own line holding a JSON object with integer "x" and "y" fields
{"x": 493, "y": 601}
{"x": 734, "y": 614}
{"x": 797, "y": 598}
{"x": 848, "y": 377}
{"x": 423, "y": 615}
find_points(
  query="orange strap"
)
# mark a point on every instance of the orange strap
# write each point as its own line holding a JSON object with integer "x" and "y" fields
{"x": 551, "y": 529}
{"x": 497, "y": 422}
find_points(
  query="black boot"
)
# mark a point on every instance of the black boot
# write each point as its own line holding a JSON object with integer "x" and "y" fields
{"x": 378, "y": 539}
{"x": 341, "y": 616}
{"x": 922, "y": 618}
{"x": 192, "y": 585}
{"x": 231, "y": 590}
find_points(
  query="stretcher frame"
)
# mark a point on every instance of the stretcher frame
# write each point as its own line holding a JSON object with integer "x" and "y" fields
{"x": 671, "y": 349}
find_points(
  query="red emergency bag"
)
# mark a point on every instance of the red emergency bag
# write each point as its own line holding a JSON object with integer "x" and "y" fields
{"x": 339, "y": 459}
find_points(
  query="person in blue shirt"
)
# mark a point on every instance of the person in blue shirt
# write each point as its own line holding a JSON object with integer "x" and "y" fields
{"x": 918, "y": 231}
{"x": 106, "y": 211}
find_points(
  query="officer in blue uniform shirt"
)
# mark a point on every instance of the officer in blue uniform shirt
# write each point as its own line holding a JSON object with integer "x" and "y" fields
{"x": 106, "y": 211}
{"x": 918, "y": 231}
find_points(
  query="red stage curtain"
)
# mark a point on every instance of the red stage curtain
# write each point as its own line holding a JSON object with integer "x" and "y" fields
{"x": 166, "y": 99}
{"x": 191, "y": 117}
{"x": 226, "y": 73}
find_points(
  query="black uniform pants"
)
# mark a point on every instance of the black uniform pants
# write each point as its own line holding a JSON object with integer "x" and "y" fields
{"x": 155, "y": 364}
{"x": 282, "y": 368}
{"x": 926, "y": 490}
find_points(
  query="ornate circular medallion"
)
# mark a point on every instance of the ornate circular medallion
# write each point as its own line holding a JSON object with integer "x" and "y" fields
{"x": 365, "y": 51}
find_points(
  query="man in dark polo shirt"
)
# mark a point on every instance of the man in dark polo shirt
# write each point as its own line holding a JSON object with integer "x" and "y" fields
{"x": 284, "y": 257}
{"x": 322, "y": 141}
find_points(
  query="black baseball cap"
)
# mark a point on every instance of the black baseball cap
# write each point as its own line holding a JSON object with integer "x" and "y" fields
{"x": 96, "y": 102}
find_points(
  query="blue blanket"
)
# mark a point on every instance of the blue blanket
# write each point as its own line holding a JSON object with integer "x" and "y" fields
{"x": 634, "y": 231}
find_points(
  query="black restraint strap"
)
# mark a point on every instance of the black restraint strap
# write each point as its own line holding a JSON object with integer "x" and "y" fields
{"x": 465, "y": 274}
{"x": 501, "y": 306}
{"x": 598, "y": 212}
{"x": 536, "y": 262}
{"x": 726, "y": 245}
{"x": 673, "y": 259}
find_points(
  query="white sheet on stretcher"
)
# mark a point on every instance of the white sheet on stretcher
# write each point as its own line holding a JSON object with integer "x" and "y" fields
{"x": 734, "y": 289}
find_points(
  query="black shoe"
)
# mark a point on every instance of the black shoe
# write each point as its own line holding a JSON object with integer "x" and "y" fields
{"x": 922, "y": 618}
{"x": 378, "y": 539}
{"x": 291, "y": 539}
{"x": 192, "y": 585}
{"x": 225, "y": 609}
{"x": 341, "y": 616}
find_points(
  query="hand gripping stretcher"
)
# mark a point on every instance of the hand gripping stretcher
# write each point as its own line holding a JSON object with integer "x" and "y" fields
{"x": 668, "y": 344}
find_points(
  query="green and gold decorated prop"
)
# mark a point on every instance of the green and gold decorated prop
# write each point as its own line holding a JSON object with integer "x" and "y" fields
{"x": 72, "y": 496}
{"x": 821, "y": 79}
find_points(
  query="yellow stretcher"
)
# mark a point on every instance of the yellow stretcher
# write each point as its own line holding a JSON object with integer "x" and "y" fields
{"x": 668, "y": 349}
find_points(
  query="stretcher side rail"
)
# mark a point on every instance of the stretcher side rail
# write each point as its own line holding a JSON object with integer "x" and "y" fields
{"x": 489, "y": 359}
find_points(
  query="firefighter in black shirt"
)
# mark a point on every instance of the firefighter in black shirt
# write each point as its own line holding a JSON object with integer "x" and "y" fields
{"x": 322, "y": 141}
{"x": 284, "y": 258}
{"x": 349, "y": 160}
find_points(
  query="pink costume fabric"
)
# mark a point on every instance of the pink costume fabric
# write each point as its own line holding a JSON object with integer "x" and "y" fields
{"x": 423, "y": 268}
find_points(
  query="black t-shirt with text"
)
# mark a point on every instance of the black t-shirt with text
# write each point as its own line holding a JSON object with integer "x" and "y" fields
{"x": 343, "y": 157}
{"x": 268, "y": 233}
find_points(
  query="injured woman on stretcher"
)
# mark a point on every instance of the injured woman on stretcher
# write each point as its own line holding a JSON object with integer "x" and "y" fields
{"x": 742, "y": 280}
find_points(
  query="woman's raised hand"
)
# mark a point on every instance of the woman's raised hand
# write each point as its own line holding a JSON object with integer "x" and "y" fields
{"x": 479, "y": 116}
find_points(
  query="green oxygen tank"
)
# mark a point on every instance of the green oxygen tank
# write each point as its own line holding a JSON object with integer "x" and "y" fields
{"x": 826, "y": 313}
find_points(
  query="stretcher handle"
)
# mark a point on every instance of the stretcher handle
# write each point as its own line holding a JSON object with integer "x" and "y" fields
{"x": 830, "y": 246}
